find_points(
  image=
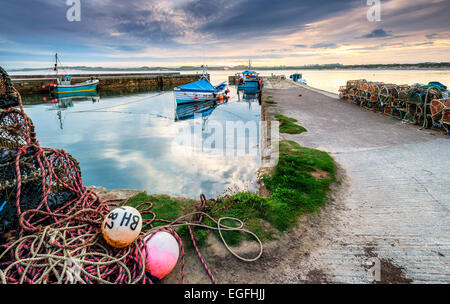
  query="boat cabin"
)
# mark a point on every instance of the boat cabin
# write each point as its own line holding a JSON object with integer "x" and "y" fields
{"x": 296, "y": 77}
{"x": 250, "y": 75}
{"x": 64, "y": 79}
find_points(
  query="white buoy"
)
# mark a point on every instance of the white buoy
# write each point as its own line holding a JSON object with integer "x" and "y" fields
{"x": 162, "y": 254}
{"x": 122, "y": 226}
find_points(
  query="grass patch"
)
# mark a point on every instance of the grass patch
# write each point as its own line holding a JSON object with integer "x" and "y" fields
{"x": 164, "y": 206}
{"x": 295, "y": 189}
{"x": 270, "y": 102}
{"x": 287, "y": 125}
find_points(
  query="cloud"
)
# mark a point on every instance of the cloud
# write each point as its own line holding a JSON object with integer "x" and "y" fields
{"x": 432, "y": 36}
{"x": 378, "y": 33}
{"x": 381, "y": 33}
{"x": 324, "y": 46}
{"x": 425, "y": 43}
{"x": 249, "y": 18}
{"x": 152, "y": 29}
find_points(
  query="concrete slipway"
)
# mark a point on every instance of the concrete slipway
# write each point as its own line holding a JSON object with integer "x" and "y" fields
{"x": 395, "y": 205}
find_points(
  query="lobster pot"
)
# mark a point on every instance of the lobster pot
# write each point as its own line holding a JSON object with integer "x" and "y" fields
{"x": 8, "y": 96}
{"x": 440, "y": 110}
{"x": 33, "y": 183}
{"x": 16, "y": 129}
{"x": 422, "y": 95}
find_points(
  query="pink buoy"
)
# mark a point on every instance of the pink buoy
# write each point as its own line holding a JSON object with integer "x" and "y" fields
{"x": 162, "y": 254}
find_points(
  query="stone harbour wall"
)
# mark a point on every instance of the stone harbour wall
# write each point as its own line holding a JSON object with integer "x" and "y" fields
{"x": 34, "y": 84}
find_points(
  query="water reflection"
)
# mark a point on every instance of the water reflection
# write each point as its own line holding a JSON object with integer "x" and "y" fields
{"x": 129, "y": 141}
{"x": 61, "y": 104}
{"x": 189, "y": 110}
{"x": 249, "y": 96}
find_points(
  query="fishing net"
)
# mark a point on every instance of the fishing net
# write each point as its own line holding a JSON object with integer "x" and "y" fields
{"x": 440, "y": 113}
{"x": 35, "y": 178}
{"x": 8, "y": 96}
{"x": 16, "y": 129}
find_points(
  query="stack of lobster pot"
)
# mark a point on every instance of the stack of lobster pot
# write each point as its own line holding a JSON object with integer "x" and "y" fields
{"x": 22, "y": 172}
{"x": 440, "y": 113}
{"x": 424, "y": 105}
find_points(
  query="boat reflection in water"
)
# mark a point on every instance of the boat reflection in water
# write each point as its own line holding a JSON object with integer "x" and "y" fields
{"x": 63, "y": 102}
{"x": 250, "y": 96}
{"x": 192, "y": 110}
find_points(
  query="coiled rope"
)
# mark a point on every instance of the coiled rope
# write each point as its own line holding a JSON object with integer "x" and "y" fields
{"x": 53, "y": 255}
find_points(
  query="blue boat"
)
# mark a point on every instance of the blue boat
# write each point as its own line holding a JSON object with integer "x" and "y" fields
{"x": 249, "y": 80}
{"x": 64, "y": 86}
{"x": 201, "y": 90}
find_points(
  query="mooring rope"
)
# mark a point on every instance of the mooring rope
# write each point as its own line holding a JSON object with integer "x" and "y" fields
{"x": 122, "y": 104}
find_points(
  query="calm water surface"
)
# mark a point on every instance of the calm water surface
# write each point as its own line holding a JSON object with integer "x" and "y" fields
{"x": 130, "y": 141}
{"x": 133, "y": 142}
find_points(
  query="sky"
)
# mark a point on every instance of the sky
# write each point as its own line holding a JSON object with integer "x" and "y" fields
{"x": 135, "y": 33}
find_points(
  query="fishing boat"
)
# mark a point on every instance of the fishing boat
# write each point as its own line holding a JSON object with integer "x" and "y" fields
{"x": 201, "y": 90}
{"x": 250, "y": 80}
{"x": 297, "y": 77}
{"x": 65, "y": 87}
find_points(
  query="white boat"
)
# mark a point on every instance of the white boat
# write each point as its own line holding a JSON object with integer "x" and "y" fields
{"x": 201, "y": 90}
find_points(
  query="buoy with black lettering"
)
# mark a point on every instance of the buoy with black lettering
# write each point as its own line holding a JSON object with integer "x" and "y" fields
{"x": 122, "y": 226}
{"x": 162, "y": 254}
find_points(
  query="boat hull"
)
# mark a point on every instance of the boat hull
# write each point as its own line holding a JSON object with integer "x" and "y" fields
{"x": 199, "y": 91}
{"x": 184, "y": 97}
{"x": 188, "y": 97}
{"x": 76, "y": 89}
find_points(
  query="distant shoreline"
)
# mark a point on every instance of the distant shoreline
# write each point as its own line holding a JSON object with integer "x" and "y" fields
{"x": 444, "y": 66}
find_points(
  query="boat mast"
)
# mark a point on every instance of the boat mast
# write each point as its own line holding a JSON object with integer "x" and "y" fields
{"x": 204, "y": 73}
{"x": 56, "y": 64}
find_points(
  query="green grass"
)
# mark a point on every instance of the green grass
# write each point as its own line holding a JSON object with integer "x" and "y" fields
{"x": 270, "y": 102}
{"x": 295, "y": 191}
{"x": 287, "y": 125}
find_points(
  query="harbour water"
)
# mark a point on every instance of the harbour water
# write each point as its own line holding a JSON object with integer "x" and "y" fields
{"x": 136, "y": 142}
{"x": 132, "y": 141}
